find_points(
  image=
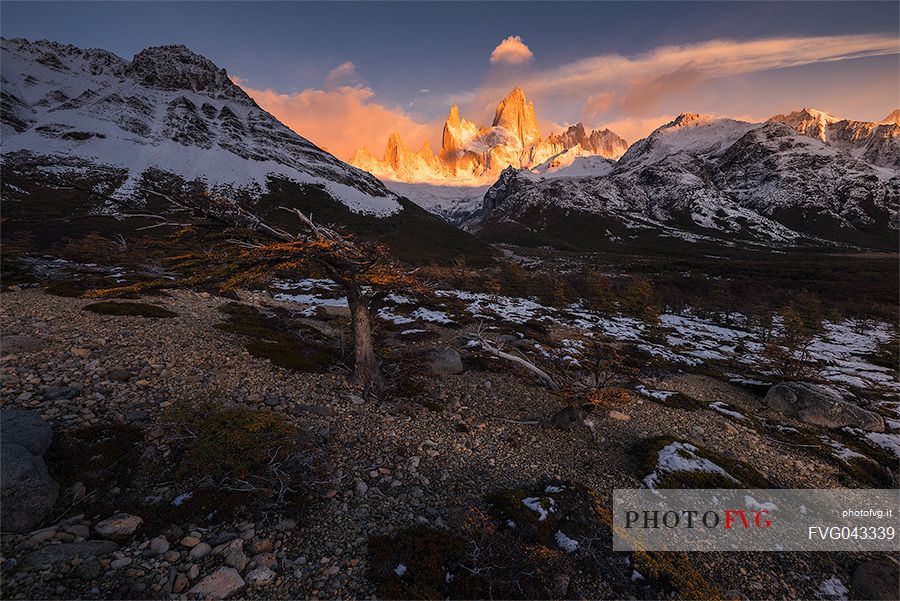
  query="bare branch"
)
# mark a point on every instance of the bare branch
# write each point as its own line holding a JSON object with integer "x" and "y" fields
{"x": 544, "y": 376}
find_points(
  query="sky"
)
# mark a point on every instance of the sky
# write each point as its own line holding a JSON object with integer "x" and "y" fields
{"x": 346, "y": 74}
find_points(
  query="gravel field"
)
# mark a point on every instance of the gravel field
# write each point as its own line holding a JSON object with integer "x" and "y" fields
{"x": 390, "y": 464}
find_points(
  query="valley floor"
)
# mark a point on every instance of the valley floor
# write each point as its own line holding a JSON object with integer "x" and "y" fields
{"x": 388, "y": 465}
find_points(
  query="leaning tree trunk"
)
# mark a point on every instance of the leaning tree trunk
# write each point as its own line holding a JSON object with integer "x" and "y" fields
{"x": 366, "y": 370}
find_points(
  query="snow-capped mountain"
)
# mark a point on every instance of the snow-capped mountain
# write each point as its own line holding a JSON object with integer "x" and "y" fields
{"x": 699, "y": 178}
{"x": 102, "y": 127}
{"x": 875, "y": 143}
{"x": 470, "y": 154}
{"x": 167, "y": 109}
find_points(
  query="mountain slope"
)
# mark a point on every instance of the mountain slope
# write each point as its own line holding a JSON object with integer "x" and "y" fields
{"x": 167, "y": 118}
{"x": 704, "y": 179}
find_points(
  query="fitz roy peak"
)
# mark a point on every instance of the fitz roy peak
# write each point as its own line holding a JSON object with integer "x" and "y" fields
{"x": 167, "y": 110}
{"x": 471, "y": 153}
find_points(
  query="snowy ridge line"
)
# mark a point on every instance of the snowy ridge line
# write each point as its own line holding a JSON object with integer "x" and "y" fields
{"x": 167, "y": 109}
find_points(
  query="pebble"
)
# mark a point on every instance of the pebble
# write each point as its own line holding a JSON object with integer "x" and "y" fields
{"x": 200, "y": 551}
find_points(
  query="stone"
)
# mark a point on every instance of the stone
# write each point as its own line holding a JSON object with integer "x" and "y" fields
{"x": 21, "y": 344}
{"x": 190, "y": 541}
{"x": 121, "y": 525}
{"x": 159, "y": 545}
{"x": 445, "y": 362}
{"x": 58, "y": 555}
{"x": 821, "y": 406}
{"x": 236, "y": 558}
{"x": 618, "y": 416}
{"x": 260, "y": 576}
{"x": 39, "y": 536}
{"x": 78, "y": 530}
{"x": 361, "y": 487}
{"x": 567, "y": 418}
{"x": 27, "y": 492}
{"x": 120, "y": 563}
{"x": 173, "y": 532}
{"x": 89, "y": 570}
{"x": 83, "y": 353}
{"x": 25, "y": 428}
{"x": 180, "y": 583}
{"x": 221, "y": 538}
{"x": 878, "y": 579}
{"x": 261, "y": 546}
{"x": 200, "y": 551}
{"x": 267, "y": 559}
{"x": 221, "y": 584}
{"x": 119, "y": 375}
{"x": 172, "y": 556}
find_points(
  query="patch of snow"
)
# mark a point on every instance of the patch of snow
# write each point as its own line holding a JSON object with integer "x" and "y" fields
{"x": 682, "y": 457}
{"x": 833, "y": 590}
{"x": 534, "y": 504}
{"x": 724, "y": 409}
{"x": 569, "y": 545}
{"x": 661, "y": 395}
{"x": 180, "y": 499}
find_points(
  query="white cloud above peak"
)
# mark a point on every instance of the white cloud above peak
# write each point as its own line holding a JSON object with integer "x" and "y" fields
{"x": 511, "y": 51}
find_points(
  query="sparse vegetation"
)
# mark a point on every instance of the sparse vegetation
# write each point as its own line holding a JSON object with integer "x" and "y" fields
{"x": 130, "y": 309}
{"x": 268, "y": 337}
{"x": 233, "y": 444}
{"x": 787, "y": 353}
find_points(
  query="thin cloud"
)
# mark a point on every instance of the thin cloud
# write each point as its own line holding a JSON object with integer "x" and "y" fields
{"x": 511, "y": 51}
{"x": 342, "y": 75}
{"x": 717, "y": 58}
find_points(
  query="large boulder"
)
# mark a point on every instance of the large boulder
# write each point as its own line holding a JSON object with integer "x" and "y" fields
{"x": 820, "y": 406}
{"x": 445, "y": 362}
{"x": 27, "y": 492}
{"x": 25, "y": 428}
{"x": 878, "y": 579}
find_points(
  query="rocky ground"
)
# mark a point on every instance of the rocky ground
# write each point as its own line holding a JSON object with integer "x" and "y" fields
{"x": 382, "y": 466}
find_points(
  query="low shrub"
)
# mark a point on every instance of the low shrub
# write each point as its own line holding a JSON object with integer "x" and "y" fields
{"x": 268, "y": 337}
{"x": 131, "y": 309}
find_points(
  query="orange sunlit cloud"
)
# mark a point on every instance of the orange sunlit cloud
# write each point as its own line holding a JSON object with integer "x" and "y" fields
{"x": 512, "y": 51}
{"x": 343, "y": 119}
